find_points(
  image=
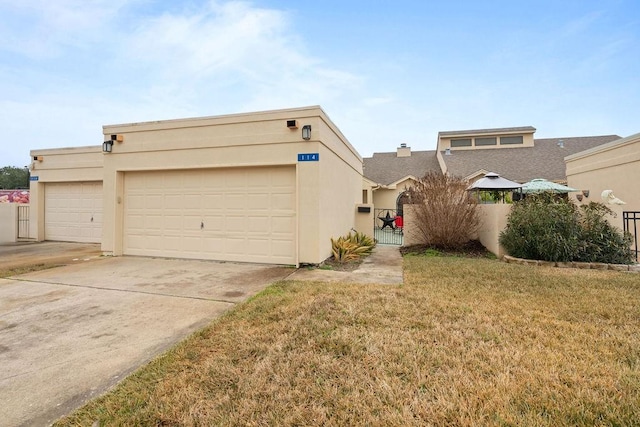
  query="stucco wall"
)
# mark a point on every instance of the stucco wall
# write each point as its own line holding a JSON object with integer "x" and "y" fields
{"x": 59, "y": 165}
{"x": 410, "y": 233}
{"x": 339, "y": 193}
{"x": 327, "y": 190}
{"x": 613, "y": 166}
{"x": 8, "y": 222}
{"x": 364, "y": 220}
{"x": 492, "y": 220}
{"x": 384, "y": 198}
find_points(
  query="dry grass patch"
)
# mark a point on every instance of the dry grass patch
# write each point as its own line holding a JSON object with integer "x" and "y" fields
{"x": 463, "y": 342}
{"x": 16, "y": 271}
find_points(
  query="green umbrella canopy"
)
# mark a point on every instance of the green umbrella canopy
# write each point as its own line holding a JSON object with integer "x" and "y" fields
{"x": 539, "y": 185}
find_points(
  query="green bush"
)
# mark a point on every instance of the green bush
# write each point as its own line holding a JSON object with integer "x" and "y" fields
{"x": 603, "y": 242}
{"x": 351, "y": 247}
{"x": 551, "y": 228}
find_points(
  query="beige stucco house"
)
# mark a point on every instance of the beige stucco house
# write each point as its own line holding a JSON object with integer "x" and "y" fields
{"x": 268, "y": 187}
{"x": 612, "y": 166}
{"x": 275, "y": 186}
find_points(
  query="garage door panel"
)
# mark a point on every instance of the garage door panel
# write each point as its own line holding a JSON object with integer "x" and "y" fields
{"x": 153, "y": 201}
{"x": 237, "y": 245}
{"x": 172, "y": 223}
{"x": 236, "y": 201}
{"x": 215, "y": 224}
{"x": 245, "y": 216}
{"x": 282, "y": 201}
{"x": 259, "y": 247}
{"x": 282, "y": 224}
{"x": 237, "y": 224}
{"x": 73, "y": 211}
{"x": 212, "y": 201}
{"x": 258, "y": 224}
{"x": 258, "y": 200}
{"x": 194, "y": 200}
{"x": 134, "y": 202}
{"x": 213, "y": 245}
{"x": 136, "y": 223}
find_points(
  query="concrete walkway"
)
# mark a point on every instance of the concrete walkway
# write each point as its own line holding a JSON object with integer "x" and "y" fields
{"x": 383, "y": 266}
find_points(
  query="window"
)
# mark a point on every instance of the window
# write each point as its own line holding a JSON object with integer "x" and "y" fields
{"x": 365, "y": 198}
{"x": 506, "y": 140}
{"x": 466, "y": 142}
{"x": 486, "y": 141}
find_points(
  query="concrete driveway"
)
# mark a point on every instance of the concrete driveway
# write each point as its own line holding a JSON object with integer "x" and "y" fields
{"x": 22, "y": 254}
{"x": 70, "y": 333}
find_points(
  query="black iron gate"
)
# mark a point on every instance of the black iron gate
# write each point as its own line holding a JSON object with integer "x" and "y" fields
{"x": 387, "y": 227}
{"x": 630, "y": 224}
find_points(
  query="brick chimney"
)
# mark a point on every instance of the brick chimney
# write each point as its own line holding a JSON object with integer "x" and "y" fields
{"x": 403, "y": 151}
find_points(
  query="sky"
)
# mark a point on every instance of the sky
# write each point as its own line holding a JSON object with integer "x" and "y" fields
{"x": 385, "y": 72}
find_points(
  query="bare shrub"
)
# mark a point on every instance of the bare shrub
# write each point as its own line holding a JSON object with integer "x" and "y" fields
{"x": 445, "y": 215}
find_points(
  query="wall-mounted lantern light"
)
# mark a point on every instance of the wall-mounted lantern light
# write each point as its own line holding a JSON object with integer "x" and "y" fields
{"x": 306, "y": 132}
{"x": 107, "y": 146}
{"x": 579, "y": 197}
{"x": 586, "y": 193}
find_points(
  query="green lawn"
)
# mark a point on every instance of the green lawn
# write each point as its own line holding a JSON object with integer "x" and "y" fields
{"x": 464, "y": 342}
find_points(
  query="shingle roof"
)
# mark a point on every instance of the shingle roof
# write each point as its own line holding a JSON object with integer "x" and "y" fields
{"x": 495, "y": 131}
{"x": 522, "y": 164}
{"x": 386, "y": 168}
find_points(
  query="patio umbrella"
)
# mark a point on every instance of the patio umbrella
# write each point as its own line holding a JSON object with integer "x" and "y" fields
{"x": 497, "y": 185}
{"x": 539, "y": 185}
{"x": 493, "y": 181}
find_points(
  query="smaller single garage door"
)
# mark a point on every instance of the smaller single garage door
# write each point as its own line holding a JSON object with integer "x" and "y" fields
{"x": 234, "y": 214}
{"x": 73, "y": 211}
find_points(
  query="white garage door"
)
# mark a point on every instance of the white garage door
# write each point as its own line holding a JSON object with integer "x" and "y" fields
{"x": 236, "y": 214}
{"x": 73, "y": 211}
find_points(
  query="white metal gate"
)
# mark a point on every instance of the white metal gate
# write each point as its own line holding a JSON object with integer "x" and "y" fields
{"x": 23, "y": 222}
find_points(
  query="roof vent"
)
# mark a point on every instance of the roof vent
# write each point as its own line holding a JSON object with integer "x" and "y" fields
{"x": 447, "y": 152}
{"x": 561, "y": 143}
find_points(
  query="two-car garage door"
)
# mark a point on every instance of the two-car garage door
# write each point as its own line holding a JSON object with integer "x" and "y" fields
{"x": 232, "y": 214}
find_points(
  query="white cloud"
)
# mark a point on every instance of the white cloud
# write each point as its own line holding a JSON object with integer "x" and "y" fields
{"x": 246, "y": 55}
{"x": 42, "y": 29}
{"x": 213, "y": 58}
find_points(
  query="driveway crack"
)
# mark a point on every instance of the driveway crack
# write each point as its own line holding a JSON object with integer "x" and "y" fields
{"x": 104, "y": 288}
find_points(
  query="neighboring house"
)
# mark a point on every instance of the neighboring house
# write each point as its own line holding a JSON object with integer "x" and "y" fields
{"x": 513, "y": 153}
{"x": 388, "y": 175}
{"x": 268, "y": 187}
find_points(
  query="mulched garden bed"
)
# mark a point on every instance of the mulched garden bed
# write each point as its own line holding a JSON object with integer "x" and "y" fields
{"x": 473, "y": 249}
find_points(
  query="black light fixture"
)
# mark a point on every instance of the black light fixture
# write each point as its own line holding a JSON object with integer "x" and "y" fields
{"x": 107, "y": 146}
{"x": 306, "y": 132}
